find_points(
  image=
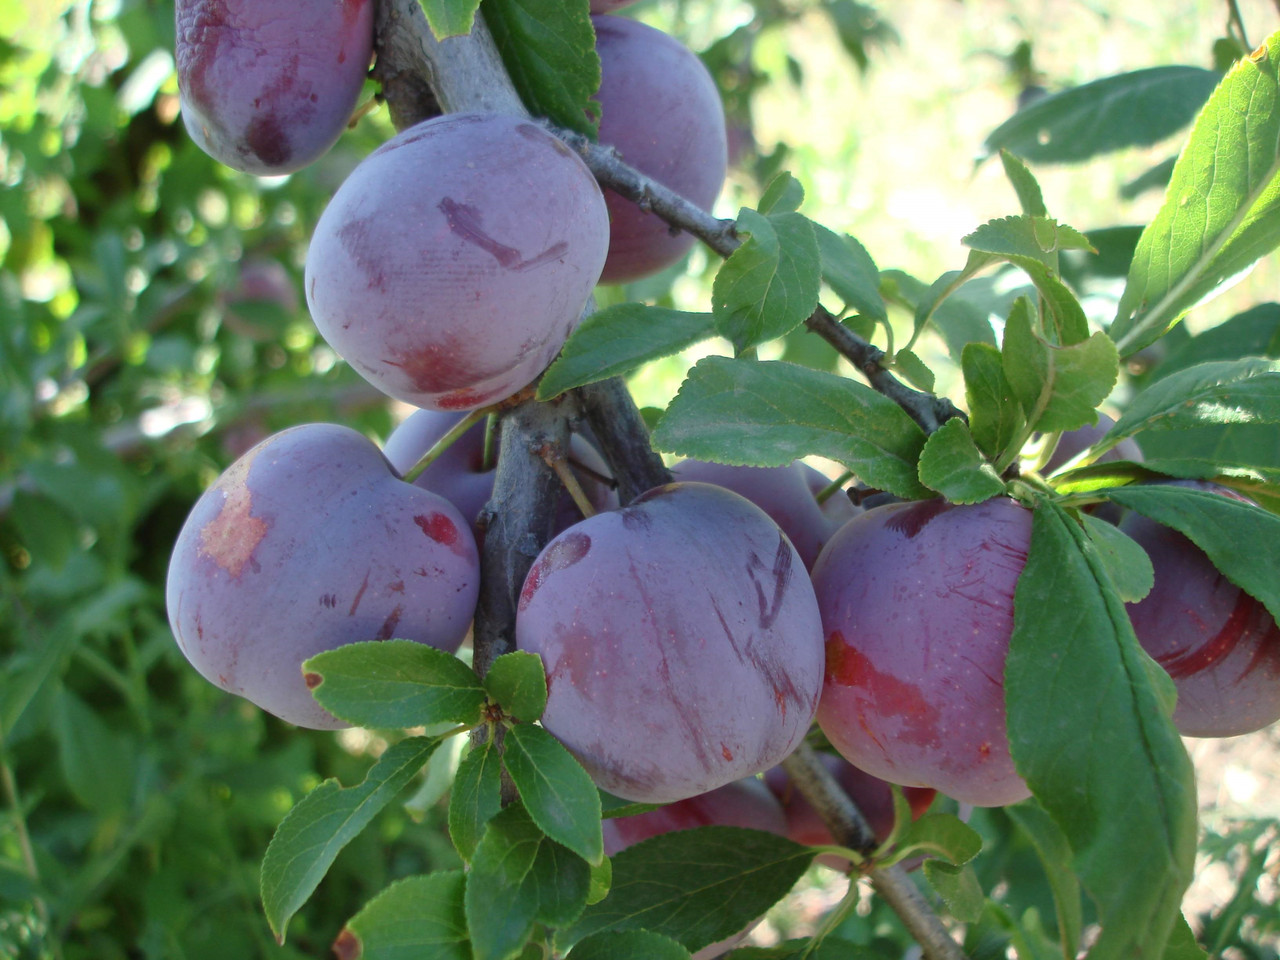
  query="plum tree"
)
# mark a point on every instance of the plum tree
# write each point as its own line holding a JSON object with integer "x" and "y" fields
{"x": 261, "y": 281}
{"x": 461, "y": 476}
{"x": 267, "y": 87}
{"x": 681, "y": 642}
{"x": 873, "y": 796}
{"x": 415, "y": 264}
{"x": 307, "y": 542}
{"x": 661, "y": 111}
{"x": 786, "y": 494}
{"x": 917, "y": 609}
{"x": 1219, "y": 644}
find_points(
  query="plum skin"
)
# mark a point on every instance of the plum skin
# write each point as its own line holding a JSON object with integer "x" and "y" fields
{"x": 786, "y": 494}
{"x": 454, "y": 261}
{"x": 681, "y": 642}
{"x": 307, "y": 542}
{"x": 267, "y": 89}
{"x": 662, "y": 112}
{"x": 917, "y": 608}
{"x": 1219, "y": 644}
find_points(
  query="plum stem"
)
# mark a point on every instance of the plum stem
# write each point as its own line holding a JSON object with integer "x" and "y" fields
{"x": 557, "y": 462}
{"x": 834, "y": 487}
{"x": 443, "y": 444}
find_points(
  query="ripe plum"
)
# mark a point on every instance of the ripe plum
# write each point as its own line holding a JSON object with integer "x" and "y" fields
{"x": 784, "y": 493}
{"x": 917, "y": 605}
{"x": 459, "y": 474}
{"x": 661, "y": 111}
{"x": 740, "y": 803}
{"x": 268, "y": 87}
{"x": 452, "y": 264}
{"x": 1218, "y": 643}
{"x": 307, "y": 542}
{"x": 681, "y": 641}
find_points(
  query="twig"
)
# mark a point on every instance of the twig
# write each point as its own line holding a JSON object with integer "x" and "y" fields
{"x": 928, "y": 411}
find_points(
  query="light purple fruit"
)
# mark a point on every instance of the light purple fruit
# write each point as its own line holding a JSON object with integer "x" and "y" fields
{"x": 308, "y": 542}
{"x": 917, "y": 605}
{"x": 744, "y": 803}
{"x": 453, "y": 262}
{"x": 1218, "y": 643}
{"x": 661, "y": 111}
{"x": 784, "y": 493}
{"x": 681, "y": 641}
{"x": 459, "y": 474}
{"x": 268, "y": 87}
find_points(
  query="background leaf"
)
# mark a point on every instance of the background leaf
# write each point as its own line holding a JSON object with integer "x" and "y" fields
{"x": 954, "y": 466}
{"x": 1127, "y": 110}
{"x": 1219, "y": 214}
{"x": 418, "y": 918}
{"x": 476, "y": 797}
{"x": 557, "y": 792}
{"x": 450, "y": 18}
{"x": 518, "y": 682}
{"x": 629, "y": 945}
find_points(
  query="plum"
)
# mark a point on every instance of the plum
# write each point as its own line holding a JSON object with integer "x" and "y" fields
{"x": 459, "y": 474}
{"x": 681, "y": 642}
{"x": 662, "y": 113}
{"x": 785, "y": 493}
{"x": 307, "y": 542}
{"x": 741, "y": 803}
{"x": 268, "y": 87}
{"x": 453, "y": 262}
{"x": 917, "y": 608}
{"x": 1219, "y": 644}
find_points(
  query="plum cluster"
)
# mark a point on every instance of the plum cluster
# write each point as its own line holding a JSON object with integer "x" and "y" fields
{"x": 690, "y": 638}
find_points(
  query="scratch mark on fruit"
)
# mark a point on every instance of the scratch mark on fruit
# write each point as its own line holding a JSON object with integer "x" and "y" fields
{"x": 884, "y": 694}
{"x": 355, "y": 603}
{"x": 389, "y": 625}
{"x": 464, "y": 220}
{"x": 230, "y": 538}
{"x": 725, "y": 751}
{"x": 563, "y": 552}
{"x": 443, "y": 531}
{"x": 329, "y": 600}
{"x": 781, "y": 574}
{"x": 909, "y": 519}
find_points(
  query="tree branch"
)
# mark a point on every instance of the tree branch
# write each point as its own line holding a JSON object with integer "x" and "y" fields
{"x": 928, "y": 411}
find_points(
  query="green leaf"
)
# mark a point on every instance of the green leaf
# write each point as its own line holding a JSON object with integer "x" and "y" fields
{"x": 418, "y": 918}
{"x": 450, "y": 18}
{"x": 942, "y": 835}
{"x": 1182, "y": 943}
{"x": 784, "y": 194}
{"x": 1085, "y": 720}
{"x": 1131, "y": 109}
{"x": 696, "y": 886}
{"x": 1242, "y": 540}
{"x": 848, "y": 269}
{"x": 995, "y": 416}
{"x": 324, "y": 821}
{"x": 611, "y": 806}
{"x": 1055, "y": 856}
{"x": 1033, "y": 238}
{"x": 768, "y": 413}
{"x": 97, "y": 762}
{"x": 518, "y": 682}
{"x": 476, "y": 797}
{"x": 1253, "y": 333}
{"x": 549, "y": 48}
{"x": 952, "y": 464}
{"x": 601, "y": 881}
{"x": 394, "y": 684}
{"x": 1024, "y": 185}
{"x": 913, "y": 370}
{"x": 618, "y": 339}
{"x": 1126, "y": 562}
{"x": 518, "y": 878}
{"x": 1219, "y": 213}
{"x": 1058, "y": 387}
{"x": 958, "y": 887}
{"x": 557, "y": 793}
{"x": 629, "y": 945}
{"x": 770, "y": 284}
{"x": 1245, "y": 391}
